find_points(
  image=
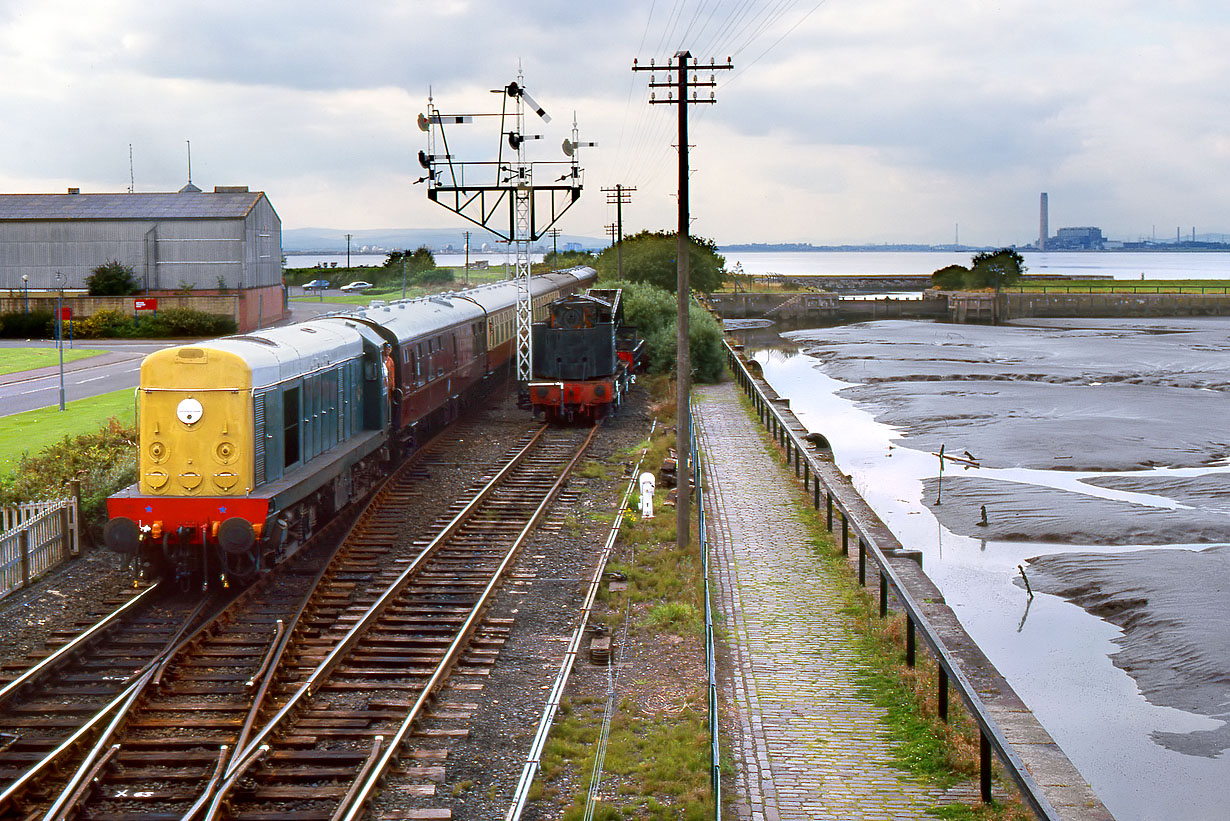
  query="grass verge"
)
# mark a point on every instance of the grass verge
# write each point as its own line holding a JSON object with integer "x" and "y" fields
{"x": 14, "y": 360}
{"x": 29, "y": 432}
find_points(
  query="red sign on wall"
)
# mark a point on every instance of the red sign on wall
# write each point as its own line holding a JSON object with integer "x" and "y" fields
{"x": 147, "y": 304}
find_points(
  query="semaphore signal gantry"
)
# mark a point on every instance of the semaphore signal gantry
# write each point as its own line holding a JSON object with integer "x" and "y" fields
{"x": 501, "y": 195}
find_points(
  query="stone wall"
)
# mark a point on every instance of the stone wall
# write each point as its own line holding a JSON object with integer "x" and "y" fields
{"x": 252, "y": 308}
{"x": 982, "y": 307}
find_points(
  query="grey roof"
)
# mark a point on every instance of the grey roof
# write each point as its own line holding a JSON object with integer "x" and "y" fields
{"x": 188, "y": 205}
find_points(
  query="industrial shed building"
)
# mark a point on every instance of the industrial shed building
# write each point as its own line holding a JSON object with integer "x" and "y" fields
{"x": 225, "y": 242}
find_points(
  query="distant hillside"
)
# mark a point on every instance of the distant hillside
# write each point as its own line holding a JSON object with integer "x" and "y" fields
{"x": 332, "y": 240}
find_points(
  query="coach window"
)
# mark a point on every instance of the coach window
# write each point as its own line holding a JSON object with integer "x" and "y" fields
{"x": 290, "y": 426}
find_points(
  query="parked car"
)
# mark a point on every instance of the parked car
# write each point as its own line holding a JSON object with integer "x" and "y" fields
{"x": 316, "y": 285}
{"x": 357, "y": 286}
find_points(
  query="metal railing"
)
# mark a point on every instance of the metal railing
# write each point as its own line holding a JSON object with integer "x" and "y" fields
{"x": 35, "y": 537}
{"x": 874, "y": 541}
{"x": 1117, "y": 288}
{"x": 715, "y": 760}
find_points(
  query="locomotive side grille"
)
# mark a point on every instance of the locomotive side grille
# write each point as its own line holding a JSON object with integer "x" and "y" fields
{"x": 341, "y": 404}
{"x": 258, "y": 416}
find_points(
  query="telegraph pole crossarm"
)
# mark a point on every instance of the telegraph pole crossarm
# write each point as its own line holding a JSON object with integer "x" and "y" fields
{"x": 619, "y": 196}
{"x": 679, "y": 85}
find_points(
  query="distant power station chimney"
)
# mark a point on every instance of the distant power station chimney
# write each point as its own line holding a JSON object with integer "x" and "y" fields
{"x": 1043, "y": 227}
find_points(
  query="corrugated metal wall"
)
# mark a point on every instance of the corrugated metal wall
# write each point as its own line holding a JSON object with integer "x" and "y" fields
{"x": 164, "y": 254}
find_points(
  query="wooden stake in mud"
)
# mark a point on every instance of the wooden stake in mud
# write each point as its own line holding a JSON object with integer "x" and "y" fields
{"x": 968, "y": 460}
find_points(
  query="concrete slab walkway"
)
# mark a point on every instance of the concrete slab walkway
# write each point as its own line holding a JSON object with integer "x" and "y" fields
{"x": 807, "y": 745}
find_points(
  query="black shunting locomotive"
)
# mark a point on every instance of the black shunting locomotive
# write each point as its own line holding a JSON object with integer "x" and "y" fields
{"x": 585, "y": 357}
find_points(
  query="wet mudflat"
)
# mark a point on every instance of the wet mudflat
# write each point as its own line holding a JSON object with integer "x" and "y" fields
{"x": 1102, "y": 449}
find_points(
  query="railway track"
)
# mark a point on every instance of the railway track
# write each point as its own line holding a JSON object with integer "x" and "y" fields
{"x": 48, "y": 709}
{"x": 278, "y": 711}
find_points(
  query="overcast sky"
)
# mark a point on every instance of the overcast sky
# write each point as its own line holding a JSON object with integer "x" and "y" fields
{"x": 843, "y": 121}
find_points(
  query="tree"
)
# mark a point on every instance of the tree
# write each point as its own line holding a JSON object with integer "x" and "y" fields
{"x": 420, "y": 262}
{"x": 988, "y": 269}
{"x": 950, "y": 277}
{"x": 996, "y": 269}
{"x": 650, "y": 257}
{"x": 653, "y": 312}
{"x": 112, "y": 278}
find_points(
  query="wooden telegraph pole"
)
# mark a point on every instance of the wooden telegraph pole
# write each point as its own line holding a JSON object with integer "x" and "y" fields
{"x": 678, "y": 94}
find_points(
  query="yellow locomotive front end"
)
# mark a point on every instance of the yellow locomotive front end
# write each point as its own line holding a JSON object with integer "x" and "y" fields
{"x": 196, "y": 427}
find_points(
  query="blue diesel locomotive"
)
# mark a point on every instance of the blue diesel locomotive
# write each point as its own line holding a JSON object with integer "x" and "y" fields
{"x": 249, "y": 443}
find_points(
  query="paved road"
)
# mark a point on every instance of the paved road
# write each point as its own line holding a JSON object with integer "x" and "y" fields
{"x": 40, "y": 388}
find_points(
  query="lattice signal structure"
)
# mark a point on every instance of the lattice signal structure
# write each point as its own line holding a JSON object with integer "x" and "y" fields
{"x": 500, "y": 195}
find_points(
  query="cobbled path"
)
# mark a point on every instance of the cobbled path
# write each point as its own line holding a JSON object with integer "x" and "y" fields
{"x": 807, "y": 745}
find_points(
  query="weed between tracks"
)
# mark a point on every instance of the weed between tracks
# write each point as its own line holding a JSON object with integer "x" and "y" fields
{"x": 656, "y": 762}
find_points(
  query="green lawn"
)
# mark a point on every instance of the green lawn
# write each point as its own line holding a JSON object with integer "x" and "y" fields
{"x": 341, "y": 276}
{"x": 13, "y": 360}
{"x": 33, "y": 430}
{"x": 1125, "y": 286}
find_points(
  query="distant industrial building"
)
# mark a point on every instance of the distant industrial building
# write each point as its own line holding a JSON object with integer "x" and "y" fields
{"x": 1076, "y": 239}
{"x": 228, "y": 241}
{"x": 1043, "y": 222}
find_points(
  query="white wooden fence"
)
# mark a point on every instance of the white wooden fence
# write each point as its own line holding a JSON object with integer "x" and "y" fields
{"x": 35, "y": 537}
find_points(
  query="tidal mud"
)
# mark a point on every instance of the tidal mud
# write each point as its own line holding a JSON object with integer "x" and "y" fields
{"x": 1172, "y": 607}
{"x": 1086, "y": 433}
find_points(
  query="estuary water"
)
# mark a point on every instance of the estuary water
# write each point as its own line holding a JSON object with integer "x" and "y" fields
{"x": 1103, "y": 468}
{"x": 1119, "y": 264}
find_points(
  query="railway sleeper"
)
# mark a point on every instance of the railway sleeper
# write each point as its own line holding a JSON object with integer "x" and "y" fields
{"x": 149, "y": 775}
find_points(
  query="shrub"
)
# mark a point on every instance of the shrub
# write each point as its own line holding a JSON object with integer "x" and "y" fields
{"x": 185, "y": 322}
{"x": 20, "y": 325}
{"x": 654, "y": 312}
{"x": 436, "y": 276}
{"x": 109, "y": 324}
{"x": 950, "y": 278}
{"x": 168, "y": 322}
{"x": 112, "y": 278}
{"x": 105, "y": 462}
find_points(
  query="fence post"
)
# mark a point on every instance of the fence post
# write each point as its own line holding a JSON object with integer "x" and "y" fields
{"x": 23, "y": 550}
{"x": 984, "y": 766}
{"x": 883, "y": 588}
{"x": 74, "y": 490}
{"x": 909, "y": 640}
{"x": 845, "y": 534}
{"x": 66, "y": 541}
{"x": 862, "y": 562}
{"x": 941, "y": 695}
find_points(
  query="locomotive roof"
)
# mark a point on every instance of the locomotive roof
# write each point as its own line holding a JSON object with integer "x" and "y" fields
{"x": 277, "y": 354}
